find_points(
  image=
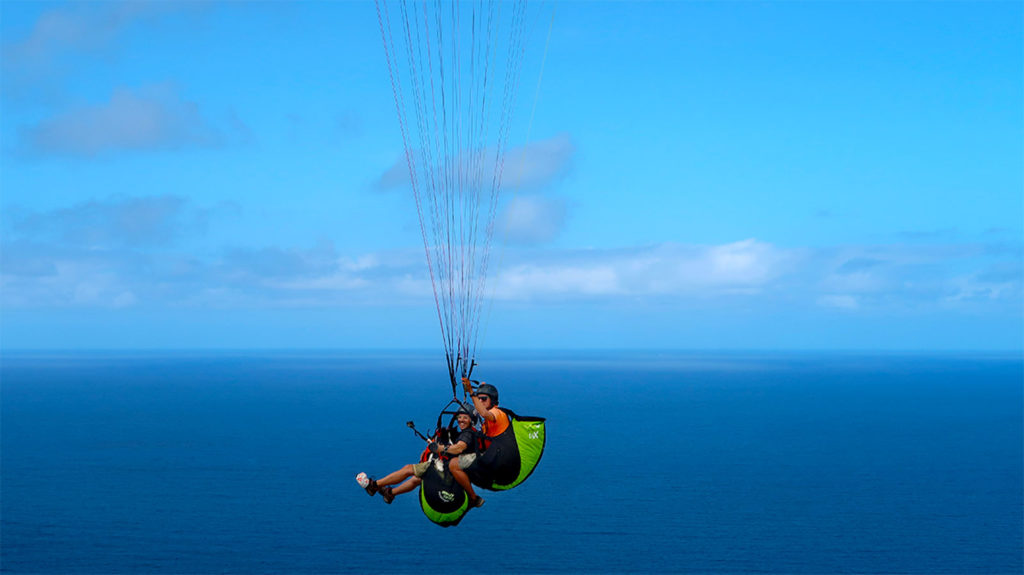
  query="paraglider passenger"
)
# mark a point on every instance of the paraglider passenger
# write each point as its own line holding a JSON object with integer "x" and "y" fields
{"x": 465, "y": 443}
{"x": 495, "y": 421}
{"x": 408, "y": 477}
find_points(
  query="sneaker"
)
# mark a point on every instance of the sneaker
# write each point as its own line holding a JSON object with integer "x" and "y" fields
{"x": 367, "y": 483}
{"x": 387, "y": 494}
{"x": 476, "y": 502}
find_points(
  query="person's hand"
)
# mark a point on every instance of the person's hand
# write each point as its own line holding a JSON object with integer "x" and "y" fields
{"x": 467, "y": 385}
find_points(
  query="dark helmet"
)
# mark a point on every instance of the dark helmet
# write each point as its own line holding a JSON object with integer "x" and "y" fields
{"x": 464, "y": 410}
{"x": 488, "y": 389}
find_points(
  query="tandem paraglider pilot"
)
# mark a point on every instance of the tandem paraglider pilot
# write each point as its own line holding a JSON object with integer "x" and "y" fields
{"x": 494, "y": 422}
{"x": 459, "y": 460}
{"x": 408, "y": 477}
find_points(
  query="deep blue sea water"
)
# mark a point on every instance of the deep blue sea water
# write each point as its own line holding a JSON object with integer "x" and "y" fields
{"x": 655, "y": 462}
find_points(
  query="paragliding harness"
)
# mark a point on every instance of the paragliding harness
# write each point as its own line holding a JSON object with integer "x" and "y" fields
{"x": 507, "y": 459}
{"x": 502, "y": 462}
{"x": 442, "y": 499}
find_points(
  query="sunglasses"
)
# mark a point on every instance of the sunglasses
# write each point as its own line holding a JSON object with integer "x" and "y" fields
{"x": 482, "y": 397}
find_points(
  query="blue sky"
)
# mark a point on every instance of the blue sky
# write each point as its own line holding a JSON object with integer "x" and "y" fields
{"x": 697, "y": 175}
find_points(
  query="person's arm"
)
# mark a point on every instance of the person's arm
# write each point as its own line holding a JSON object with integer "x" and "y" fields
{"x": 456, "y": 449}
{"x": 480, "y": 409}
{"x": 484, "y": 412}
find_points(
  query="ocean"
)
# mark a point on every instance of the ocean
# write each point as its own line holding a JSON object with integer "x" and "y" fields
{"x": 681, "y": 462}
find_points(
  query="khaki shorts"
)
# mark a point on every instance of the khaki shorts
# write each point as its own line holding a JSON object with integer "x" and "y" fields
{"x": 466, "y": 460}
{"x": 418, "y": 469}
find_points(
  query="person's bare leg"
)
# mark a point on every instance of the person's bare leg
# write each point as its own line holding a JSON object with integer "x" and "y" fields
{"x": 406, "y": 487}
{"x": 461, "y": 478}
{"x": 395, "y": 476}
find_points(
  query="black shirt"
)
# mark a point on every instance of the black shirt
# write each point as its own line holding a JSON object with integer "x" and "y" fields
{"x": 469, "y": 437}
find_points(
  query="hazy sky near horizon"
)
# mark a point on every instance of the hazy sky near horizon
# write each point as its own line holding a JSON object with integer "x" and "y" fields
{"x": 720, "y": 175}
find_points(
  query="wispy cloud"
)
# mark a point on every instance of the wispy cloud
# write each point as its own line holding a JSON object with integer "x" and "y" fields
{"x": 928, "y": 235}
{"x": 532, "y": 219}
{"x": 77, "y": 27}
{"x": 113, "y": 223}
{"x": 154, "y": 117}
{"x": 540, "y": 163}
{"x": 526, "y": 215}
{"x": 117, "y": 252}
{"x": 307, "y": 129}
{"x": 918, "y": 275}
{"x": 293, "y": 266}
{"x": 126, "y": 252}
{"x": 36, "y": 62}
{"x": 838, "y": 301}
{"x": 664, "y": 270}
{"x": 73, "y": 39}
{"x": 529, "y": 168}
{"x": 396, "y": 176}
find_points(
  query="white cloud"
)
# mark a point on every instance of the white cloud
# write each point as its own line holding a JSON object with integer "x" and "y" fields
{"x": 154, "y": 117}
{"x": 910, "y": 276}
{"x": 118, "y": 221}
{"x": 531, "y": 167}
{"x": 36, "y": 62}
{"x": 77, "y": 27}
{"x": 977, "y": 288}
{"x": 539, "y": 163}
{"x": 396, "y": 176}
{"x": 838, "y": 301}
{"x": 855, "y": 282}
{"x": 532, "y": 219}
{"x": 748, "y": 262}
{"x": 75, "y": 282}
{"x": 98, "y": 289}
{"x": 332, "y": 282}
{"x": 360, "y": 263}
{"x": 529, "y": 282}
{"x": 521, "y": 214}
{"x": 743, "y": 267}
{"x": 125, "y": 251}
